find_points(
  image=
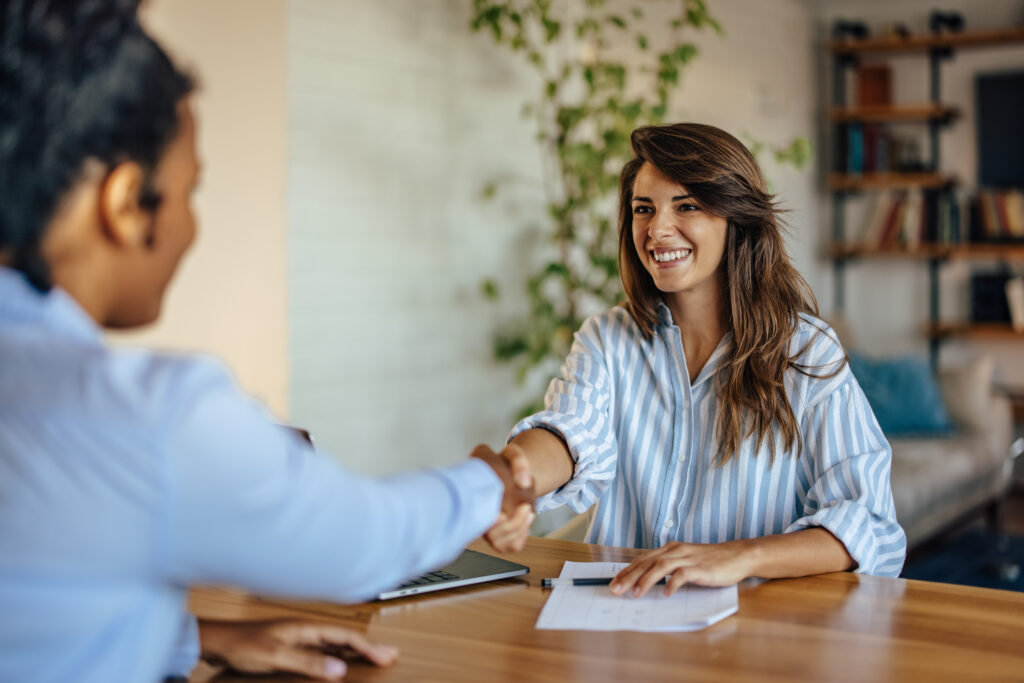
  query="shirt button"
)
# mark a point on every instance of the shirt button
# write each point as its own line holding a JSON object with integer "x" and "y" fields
{"x": 668, "y": 523}
{"x": 682, "y": 458}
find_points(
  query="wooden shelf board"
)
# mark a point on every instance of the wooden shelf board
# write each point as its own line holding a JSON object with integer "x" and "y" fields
{"x": 1011, "y": 252}
{"x": 919, "y": 43}
{"x": 848, "y": 250}
{"x": 894, "y": 112}
{"x": 857, "y": 250}
{"x": 869, "y": 181}
{"x": 989, "y": 331}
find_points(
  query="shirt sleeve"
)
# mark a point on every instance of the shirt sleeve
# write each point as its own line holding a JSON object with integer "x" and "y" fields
{"x": 578, "y": 409}
{"x": 186, "y": 651}
{"x": 847, "y": 462}
{"x": 250, "y": 504}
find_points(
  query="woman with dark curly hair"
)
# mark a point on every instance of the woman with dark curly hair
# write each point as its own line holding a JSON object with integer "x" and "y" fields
{"x": 712, "y": 417}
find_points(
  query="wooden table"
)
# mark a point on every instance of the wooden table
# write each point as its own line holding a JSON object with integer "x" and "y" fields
{"x": 834, "y": 627}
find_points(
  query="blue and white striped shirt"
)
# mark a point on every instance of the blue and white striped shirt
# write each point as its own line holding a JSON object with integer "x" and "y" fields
{"x": 643, "y": 438}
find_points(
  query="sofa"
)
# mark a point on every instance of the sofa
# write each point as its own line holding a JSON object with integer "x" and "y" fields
{"x": 939, "y": 481}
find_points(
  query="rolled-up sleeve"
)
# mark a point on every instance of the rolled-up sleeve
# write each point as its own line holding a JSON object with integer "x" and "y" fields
{"x": 847, "y": 461}
{"x": 578, "y": 408}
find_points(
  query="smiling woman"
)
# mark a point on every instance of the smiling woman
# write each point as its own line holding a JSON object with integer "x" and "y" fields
{"x": 742, "y": 283}
{"x": 713, "y": 417}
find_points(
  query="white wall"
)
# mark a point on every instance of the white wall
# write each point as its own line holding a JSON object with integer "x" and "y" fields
{"x": 888, "y": 300}
{"x": 229, "y": 297}
{"x": 398, "y": 115}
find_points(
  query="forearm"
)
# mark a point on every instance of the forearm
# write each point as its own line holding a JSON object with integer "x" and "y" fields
{"x": 800, "y": 553}
{"x": 550, "y": 462}
{"x": 297, "y": 518}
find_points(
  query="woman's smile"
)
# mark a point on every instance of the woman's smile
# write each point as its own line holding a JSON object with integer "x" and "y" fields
{"x": 667, "y": 258}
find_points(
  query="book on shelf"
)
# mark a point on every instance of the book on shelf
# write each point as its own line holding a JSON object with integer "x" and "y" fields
{"x": 864, "y": 148}
{"x": 879, "y": 218}
{"x": 998, "y": 216}
{"x": 855, "y": 148}
{"x": 887, "y": 220}
{"x": 947, "y": 219}
{"x": 874, "y": 84}
{"x": 895, "y": 216}
{"x": 910, "y": 230}
{"x": 1015, "y": 302}
{"x": 989, "y": 302}
{"x": 913, "y": 217}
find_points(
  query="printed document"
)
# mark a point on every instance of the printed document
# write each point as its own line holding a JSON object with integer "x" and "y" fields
{"x": 594, "y": 608}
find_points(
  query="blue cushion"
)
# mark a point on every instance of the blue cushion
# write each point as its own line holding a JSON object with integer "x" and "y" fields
{"x": 903, "y": 393}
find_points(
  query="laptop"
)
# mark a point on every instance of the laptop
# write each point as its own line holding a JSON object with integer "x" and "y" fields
{"x": 469, "y": 568}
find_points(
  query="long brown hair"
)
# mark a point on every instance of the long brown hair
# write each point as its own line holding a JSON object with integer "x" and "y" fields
{"x": 765, "y": 294}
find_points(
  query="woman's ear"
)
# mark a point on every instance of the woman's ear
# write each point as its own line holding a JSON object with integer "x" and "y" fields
{"x": 124, "y": 220}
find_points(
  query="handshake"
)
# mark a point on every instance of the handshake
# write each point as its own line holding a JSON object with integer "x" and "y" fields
{"x": 509, "y": 532}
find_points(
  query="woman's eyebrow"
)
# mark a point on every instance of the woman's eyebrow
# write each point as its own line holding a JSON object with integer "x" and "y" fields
{"x": 677, "y": 198}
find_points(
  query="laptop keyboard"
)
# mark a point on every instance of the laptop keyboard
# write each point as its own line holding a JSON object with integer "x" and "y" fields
{"x": 432, "y": 577}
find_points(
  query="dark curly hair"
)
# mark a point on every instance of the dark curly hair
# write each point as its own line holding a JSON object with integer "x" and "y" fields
{"x": 80, "y": 80}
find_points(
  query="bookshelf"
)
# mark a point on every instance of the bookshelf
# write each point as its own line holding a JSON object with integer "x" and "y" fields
{"x": 928, "y": 180}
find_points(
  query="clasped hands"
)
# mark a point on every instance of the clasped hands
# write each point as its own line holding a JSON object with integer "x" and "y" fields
{"x": 509, "y": 532}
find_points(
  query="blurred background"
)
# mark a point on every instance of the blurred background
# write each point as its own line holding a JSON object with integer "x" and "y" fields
{"x": 344, "y": 233}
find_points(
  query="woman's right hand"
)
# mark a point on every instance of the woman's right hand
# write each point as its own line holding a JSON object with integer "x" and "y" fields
{"x": 510, "y": 531}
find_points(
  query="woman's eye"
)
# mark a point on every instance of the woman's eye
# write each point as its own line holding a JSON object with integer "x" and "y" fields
{"x": 689, "y": 207}
{"x": 641, "y": 209}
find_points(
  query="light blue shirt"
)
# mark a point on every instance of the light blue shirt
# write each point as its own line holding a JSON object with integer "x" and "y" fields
{"x": 643, "y": 438}
{"x": 126, "y": 476}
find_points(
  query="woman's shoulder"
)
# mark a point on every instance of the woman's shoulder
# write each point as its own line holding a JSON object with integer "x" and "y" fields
{"x": 820, "y": 364}
{"x": 615, "y": 324}
{"x": 814, "y": 340}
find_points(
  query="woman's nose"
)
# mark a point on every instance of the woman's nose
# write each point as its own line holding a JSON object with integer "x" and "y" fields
{"x": 662, "y": 225}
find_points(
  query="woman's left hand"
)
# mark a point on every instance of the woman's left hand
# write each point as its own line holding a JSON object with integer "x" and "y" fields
{"x": 701, "y": 564}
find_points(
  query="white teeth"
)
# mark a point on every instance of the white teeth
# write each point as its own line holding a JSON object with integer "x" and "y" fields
{"x": 666, "y": 256}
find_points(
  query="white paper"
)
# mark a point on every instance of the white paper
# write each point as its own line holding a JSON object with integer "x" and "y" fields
{"x": 594, "y": 608}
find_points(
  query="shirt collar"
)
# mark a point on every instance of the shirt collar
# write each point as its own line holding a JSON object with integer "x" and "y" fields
{"x": 55, "y": 310}
{"x": 714, "y": 362}
{"x": 664, "y": 315}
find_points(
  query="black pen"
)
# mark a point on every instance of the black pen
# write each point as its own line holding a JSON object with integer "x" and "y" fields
{"x": 595, "y": 581}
